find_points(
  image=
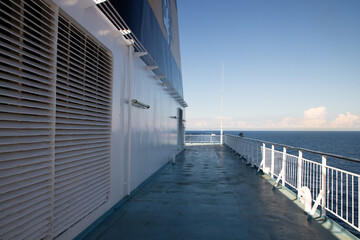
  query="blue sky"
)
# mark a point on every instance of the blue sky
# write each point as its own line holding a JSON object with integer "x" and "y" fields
{"x": 288, "y": 64}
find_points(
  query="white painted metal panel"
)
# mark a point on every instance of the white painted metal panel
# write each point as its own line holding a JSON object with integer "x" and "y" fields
{"x": 83, "y": 125}
{"x": 154, "y": 132}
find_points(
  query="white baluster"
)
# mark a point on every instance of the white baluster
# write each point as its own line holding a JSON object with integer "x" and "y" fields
{"x": 284, "y": 166}
{"x": 272, "y": 160}
{"x": 299, "y": 171}
{"x": 263, "y": 156}
{"x": 323, "y": 185}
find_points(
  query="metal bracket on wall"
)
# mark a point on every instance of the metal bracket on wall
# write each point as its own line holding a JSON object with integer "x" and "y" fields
{"x": 150, "y": 68}
{"x": 140, "y": 104}
{"x": 139, "y": 54}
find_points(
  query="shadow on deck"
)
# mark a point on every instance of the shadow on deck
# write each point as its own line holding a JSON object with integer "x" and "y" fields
{"x": 209, "y": 194}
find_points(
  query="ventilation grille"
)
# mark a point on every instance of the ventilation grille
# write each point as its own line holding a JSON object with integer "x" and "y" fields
{"x": 83, "y": 125}
{"x": 26, "y": 118}
{"x": 54, "y": 145}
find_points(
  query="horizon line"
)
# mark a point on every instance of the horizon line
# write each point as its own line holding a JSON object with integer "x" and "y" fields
{"x": 280, "y": 130}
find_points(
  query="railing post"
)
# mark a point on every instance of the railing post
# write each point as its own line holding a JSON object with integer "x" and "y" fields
{"x": 254, "y": 156}
{"x": 242, "y": 147}
{"x": 257, "y": 152}
{"x": 252, "y": 153}
{"x": 248, "y": 151}
{"x": 323, "y": 185}
{"x": 238, "y": 145}
{"x": 284, "y": 166}
{"x": 263, "y": 156}
{"x": 299, "y": 171}
{"x": 272, "y": 160}
{"x": 245, "y": 149}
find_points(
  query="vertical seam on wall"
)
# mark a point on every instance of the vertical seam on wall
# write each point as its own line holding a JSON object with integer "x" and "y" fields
{"x": 129, "y": 126}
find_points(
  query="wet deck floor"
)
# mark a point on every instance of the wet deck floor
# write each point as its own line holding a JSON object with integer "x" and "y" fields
{"x": 209, "y": 194}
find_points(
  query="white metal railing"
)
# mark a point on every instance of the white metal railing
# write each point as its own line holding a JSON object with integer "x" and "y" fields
{"x": 202, "y": 139}
{"x": 332, "y": 189}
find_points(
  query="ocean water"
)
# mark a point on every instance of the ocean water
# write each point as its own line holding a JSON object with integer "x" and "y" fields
{"x": 335, "y": 142}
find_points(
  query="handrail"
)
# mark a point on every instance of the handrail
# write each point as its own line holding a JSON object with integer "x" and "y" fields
{"x": 302, "y": 149}
{"x": 202, "y": 138}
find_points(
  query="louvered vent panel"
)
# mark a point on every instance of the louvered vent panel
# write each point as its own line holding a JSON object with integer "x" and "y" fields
{"x": 26, "y": 118}
{"x": 83, "y": 125}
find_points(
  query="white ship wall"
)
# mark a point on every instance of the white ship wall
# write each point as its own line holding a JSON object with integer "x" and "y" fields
{"x": 154, "y": 131}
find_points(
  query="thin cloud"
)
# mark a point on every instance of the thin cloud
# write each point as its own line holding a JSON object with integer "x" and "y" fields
{"x": 313, "y": 118}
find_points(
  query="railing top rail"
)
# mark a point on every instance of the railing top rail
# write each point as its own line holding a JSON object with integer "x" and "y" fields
{"x": 193, "y": 135}
{"x": 302, "y": 149}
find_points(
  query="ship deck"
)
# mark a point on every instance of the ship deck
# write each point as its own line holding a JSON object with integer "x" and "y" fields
{"x": 209, "y": 194}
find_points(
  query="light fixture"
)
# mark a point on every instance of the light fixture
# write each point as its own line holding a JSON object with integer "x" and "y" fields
{"x": 90, "y": 3}
{"x": 121, "y": 32}
{"x": 98, "y": 1}
{"x": 125, "y": 31}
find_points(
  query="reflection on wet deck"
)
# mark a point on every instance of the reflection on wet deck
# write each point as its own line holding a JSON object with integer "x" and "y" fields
{"x": 209, "y": 194}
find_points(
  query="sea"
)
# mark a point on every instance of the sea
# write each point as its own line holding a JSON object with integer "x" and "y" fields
{"x": 343, "y": 143}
